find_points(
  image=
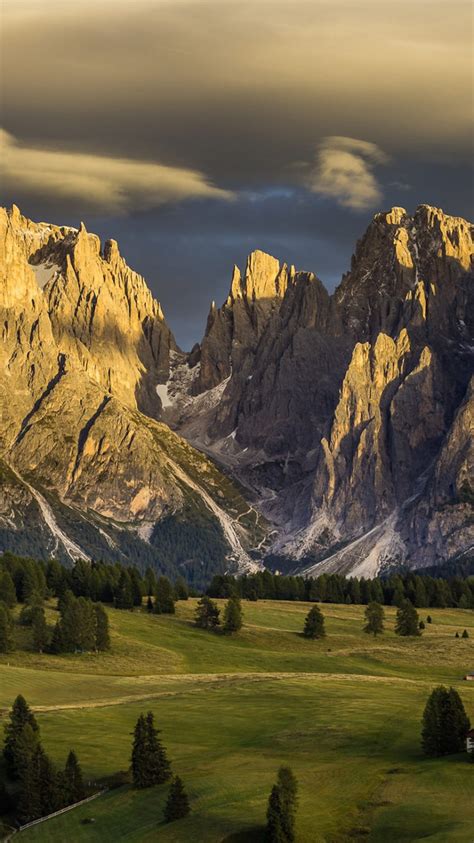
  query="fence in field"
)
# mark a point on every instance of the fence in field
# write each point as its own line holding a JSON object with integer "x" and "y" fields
{"x": 55, "y": 814}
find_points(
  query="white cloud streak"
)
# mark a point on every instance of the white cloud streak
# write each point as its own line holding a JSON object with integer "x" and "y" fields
{"x": 344, "y": 172}
{"x": 100, "y": 183}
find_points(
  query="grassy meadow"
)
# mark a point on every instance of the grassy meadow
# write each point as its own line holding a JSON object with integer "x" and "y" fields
{"x": 344, "y": 712}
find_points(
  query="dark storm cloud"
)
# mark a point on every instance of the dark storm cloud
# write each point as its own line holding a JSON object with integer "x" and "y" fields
{"x": 218, "y": 127}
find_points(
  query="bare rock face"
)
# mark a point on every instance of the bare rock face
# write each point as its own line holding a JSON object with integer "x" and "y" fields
{"x": 84, "y": 468}
{"x": 233, "y": 331}
{"x": 341, "y": 410}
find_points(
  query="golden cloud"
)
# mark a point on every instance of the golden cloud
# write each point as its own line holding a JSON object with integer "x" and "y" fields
{"x": 344, "y": 172}
{"x": 100, "y": 183}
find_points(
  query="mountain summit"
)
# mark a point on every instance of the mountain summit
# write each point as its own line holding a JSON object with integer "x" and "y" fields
{"x": 345, "y": 419}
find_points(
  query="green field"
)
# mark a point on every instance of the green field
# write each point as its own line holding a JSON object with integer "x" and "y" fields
{"x": 343, "y": 712}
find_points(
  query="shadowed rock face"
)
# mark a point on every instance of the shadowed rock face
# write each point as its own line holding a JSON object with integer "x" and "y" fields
{"x": 347, "y": 417}
{"x": 341, "y": 407}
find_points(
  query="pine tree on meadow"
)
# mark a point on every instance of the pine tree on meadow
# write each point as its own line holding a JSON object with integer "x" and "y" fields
{"x": 407, "y": 622}
{"x": 20, "y": 717}
{"x": 73, "y": 783}
{"x": 232, "y": 616}
{"x": 150, "y": 765}
{"x": 281, "y": 810}
{"x": 445, "y": 723}
{"x": 314, "y": 624}
{"x": 177, "y": 803}
{"x": 207, "y": 613}
{"x": 138, "y": 765}
{"x": 29, "y": 798}
{"x": 374, "y": 619}
{"x": 274, "y": 832}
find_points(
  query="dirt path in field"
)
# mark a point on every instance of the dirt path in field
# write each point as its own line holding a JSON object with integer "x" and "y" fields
{"x": 195, "y": 683}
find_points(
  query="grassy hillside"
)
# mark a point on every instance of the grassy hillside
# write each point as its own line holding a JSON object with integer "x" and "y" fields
{"x": 344, "y": 712}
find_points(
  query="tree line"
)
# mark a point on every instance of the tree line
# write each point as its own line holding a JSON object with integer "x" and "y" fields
{"x": 125, "y": 586}
{"x": 421, "y": 591}
{"x": 24, "y": 580}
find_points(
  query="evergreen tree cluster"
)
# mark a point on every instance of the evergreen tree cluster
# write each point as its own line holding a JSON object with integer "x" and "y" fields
{"x": 281, "y": 811}
{"x": 150, "y": 767}
{"x": 207, "y": 615}
{"x": 83, "y": 626}
{"x": 24, "y": 580}
{"x": 421, "y": 591}
{"x": 33, "y": 785}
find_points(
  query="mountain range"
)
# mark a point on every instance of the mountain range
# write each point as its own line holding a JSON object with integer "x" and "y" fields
{"x": 307, "y": 432}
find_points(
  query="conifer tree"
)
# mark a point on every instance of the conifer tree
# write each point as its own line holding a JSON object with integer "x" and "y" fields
{"x": 158, "y": 766}
{"x": 6, "y": 629}
{"x": 39, "y": 629}
{"x": 465, "y": 634}
{"x": 102, "y": 636}
{"x": 445, "y": 723}
{"x": 149, "y": 605}
{"x": 26, "y": 746}
{"x": 73, "y": 782}
{"x": 50, "y": 796}
{"x": 314, "y": 624}
{"x": 407, "y": 620}
{"x": 20, "y": 716}
{"x": 177, "y": 804}
{"x": 29, "y": 801}
{"x": 281, "y": 811}
{"x": 374, "y": 619}
{"x": 232, "y": 616}
{"x": 164, "y": 597}
{"x": 274, "y": 832}
{"x": 150, "y": 764}
{"x": 7, "y": 590}
{"x": 138, "y": 766}
{"x": 207, "y": 613}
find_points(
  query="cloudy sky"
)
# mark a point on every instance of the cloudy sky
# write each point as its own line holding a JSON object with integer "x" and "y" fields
{"x": 194, "y": 131}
